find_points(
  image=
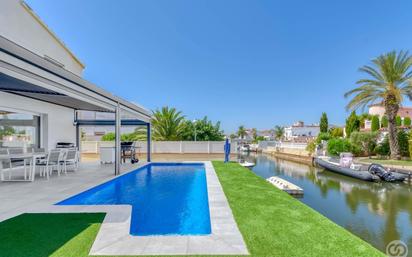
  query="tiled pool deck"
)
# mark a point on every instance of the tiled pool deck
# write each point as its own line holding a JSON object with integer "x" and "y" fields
{"x": 113, "y": 237}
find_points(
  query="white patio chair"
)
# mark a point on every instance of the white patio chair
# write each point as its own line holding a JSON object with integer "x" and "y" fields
{"x": 52, "y": 162}
{"x": 70, "y": 159}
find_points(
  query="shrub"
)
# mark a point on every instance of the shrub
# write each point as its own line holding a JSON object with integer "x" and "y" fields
{"x": 410, "y": 149}
{"x": 375, "y": 123}
{"x": 398, "y": 121}
{"x": 384, "y": 122}
{"x": 364, "y": 141}
{"x": 403, "y": 142}
{"x": 311, "y": 146}
{"x": 407, "y": 121}
{"x": 336, "y": 132}
{"x": 383, "y": 148}
{"x": 338, "y": 145}
{"x": 322, "y": 136}
{"x": 109, "y": 137}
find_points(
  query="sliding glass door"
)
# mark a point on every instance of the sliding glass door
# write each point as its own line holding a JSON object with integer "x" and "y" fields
{"x": 19, "y": 129}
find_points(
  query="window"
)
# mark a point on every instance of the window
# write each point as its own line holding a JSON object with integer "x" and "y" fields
{"x": 19, "y": 129}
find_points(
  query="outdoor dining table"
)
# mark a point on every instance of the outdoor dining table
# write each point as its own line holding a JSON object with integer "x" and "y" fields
{"x": 31, "y": 157}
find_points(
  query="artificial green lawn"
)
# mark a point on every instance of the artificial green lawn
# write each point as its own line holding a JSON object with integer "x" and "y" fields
{"x": 272, "y": 224}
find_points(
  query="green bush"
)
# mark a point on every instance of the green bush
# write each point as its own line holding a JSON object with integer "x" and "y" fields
{"x": 403, "y": 142}
{"x": 336, "y": 132}
{"x": 398, "y": 121}
{"x": 365, "y": 142}
{"x": 375, "y": 123}
{"x": 322, "y": 136}
{"x": 384, "y": 121}
{"x": 109, "y": 137}
{"x": 407, "y": 121}
{"x": 338, "y": 145}
{"x": 383, "y": 148}
{"x": 410, "y": 149}
{"x": 311, "y": 146}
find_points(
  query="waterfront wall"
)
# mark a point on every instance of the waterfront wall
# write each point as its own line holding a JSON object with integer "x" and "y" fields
{"x": 204, "y": 147}
{"x": 290, "y": 151}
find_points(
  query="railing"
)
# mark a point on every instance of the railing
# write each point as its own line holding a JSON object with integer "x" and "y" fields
{"x": 207, "y": 147}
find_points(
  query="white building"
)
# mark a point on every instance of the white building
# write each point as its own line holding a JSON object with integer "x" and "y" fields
{"x": 300, "y": 132}
{"x": 41, "y": 89}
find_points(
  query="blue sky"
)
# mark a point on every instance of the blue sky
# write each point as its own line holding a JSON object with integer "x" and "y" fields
{"x": 252, "y": 63}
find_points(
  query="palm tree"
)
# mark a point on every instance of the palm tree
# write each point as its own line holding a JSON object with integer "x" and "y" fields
{"x": 389, "y": 80}
{"x": 241, "y": 132}
{"x": 167, "y": 124}
{"x": 279, "y": 131}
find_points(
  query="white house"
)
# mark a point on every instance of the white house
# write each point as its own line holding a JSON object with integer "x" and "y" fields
{"x": 300, "y": 131}
{"x": 41, "y": 88}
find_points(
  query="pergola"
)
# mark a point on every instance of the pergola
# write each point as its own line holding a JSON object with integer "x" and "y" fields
{"x": 26, "y": 74}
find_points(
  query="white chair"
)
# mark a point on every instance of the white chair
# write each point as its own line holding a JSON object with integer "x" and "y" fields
{"x": 52, "y": 162}
{"x": 70, "y": 159}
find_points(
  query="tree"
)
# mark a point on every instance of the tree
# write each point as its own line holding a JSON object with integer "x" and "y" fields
{"x": 323, "y": 124}
{"x": 167, "y": 124}
{"x": 388, "y": 81}
{"x": 365, "y": 141}
{"x": 352, "y": 124}
{"x": 204, "y": 129}
{"x": 384, "y": 122}
{"x": 279, "y": 131}
{"x": 407, "y": 122}
{"x": 375, "y": 123}
{"x": 398, "y": 121}
{"x": 241, "y": 132}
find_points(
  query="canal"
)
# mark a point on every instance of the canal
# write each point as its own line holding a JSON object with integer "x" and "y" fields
{"x": 376, "y": 212}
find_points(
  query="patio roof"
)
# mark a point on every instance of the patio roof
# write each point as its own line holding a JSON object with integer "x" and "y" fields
{"x": 25, "y": 73}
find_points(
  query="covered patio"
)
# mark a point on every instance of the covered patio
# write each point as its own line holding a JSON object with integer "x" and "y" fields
{"x": 32, "y": 85}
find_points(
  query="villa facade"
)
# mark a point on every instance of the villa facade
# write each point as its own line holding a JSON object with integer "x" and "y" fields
{"x": 301, "y": 132}
{"x": 378, "y": 109}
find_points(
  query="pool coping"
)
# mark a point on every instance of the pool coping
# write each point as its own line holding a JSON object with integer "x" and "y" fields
{"x": 114, "y": 236}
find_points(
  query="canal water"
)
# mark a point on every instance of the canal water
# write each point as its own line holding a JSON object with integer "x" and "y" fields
{"x": 376, "y": 212}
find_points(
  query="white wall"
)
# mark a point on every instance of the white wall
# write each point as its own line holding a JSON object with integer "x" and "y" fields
{"x": 166, "y": 146}
{"x": 22, "y": 27}
{"x": 56, "y": 121}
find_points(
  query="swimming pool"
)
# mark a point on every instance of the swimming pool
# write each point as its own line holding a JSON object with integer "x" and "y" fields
{"x": 166, "y": 198}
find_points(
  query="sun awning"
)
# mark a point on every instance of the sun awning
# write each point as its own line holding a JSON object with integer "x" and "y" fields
{"x": 24, "y": 73}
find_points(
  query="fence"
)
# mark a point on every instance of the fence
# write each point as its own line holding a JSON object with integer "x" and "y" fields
{"x": 206, "y": 147}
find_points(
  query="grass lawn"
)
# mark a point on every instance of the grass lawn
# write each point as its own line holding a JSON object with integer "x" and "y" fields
{"x": 272, "y": 224}
{"x": 387, "y": 162}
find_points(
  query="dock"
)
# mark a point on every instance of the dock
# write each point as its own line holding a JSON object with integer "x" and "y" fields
{"x": 285, "y": 186}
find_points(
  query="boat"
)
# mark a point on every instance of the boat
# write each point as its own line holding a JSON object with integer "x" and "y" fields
{"x": 285, "y": 186}
{"x": 247, "y": 164}
{"x": 329, "y": 164}
{"x": 345, "y": 166}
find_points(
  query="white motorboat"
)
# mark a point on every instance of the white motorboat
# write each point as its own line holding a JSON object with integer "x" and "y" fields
{"x": 247, "y": 164}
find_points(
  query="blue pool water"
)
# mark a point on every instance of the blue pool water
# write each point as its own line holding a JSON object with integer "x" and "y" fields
{"x": 166, "y": 199}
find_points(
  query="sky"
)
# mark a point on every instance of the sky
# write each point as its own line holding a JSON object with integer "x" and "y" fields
{"x": 241, "y": 62}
